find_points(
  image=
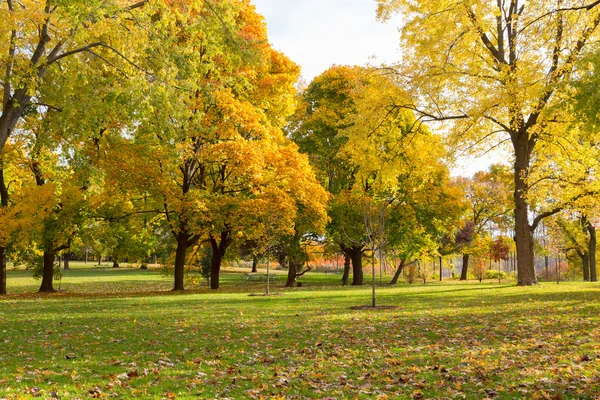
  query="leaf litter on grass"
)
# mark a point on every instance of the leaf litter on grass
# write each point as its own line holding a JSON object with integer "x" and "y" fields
{"x": 532, "y": 342}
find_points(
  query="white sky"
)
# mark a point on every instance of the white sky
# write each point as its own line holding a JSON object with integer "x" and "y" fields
{"x": 317, "y": 34}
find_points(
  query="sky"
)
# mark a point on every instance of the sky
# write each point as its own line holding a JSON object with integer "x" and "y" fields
{"x": 319, "y": 33}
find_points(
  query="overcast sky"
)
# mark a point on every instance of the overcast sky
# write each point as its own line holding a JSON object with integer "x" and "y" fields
{"x": 319, "y": 33}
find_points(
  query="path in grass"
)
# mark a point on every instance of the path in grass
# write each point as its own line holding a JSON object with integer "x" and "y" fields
{"x": 449, "y": 340}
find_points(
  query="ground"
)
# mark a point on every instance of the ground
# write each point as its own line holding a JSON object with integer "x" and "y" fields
{"x": 449, "y": 340}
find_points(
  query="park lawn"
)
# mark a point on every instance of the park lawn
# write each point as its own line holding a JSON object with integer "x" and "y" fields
{"x": 447, "y": 340}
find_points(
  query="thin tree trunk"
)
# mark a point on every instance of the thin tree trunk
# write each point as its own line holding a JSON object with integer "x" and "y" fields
{"x": 219, "y": 251}
{"x": 465, "y": 267}
{"x": 47, "y": 273}
{"x": 523, "y": 234}
{"x": 66, "y": 258}
{"x": 357, "y": 268}
{"x": 346, "y": 273}
{"x": 441, "y": 268}
{"x": 3, "y": 204}
{"x": 585, "y": 262}
{"x": 2, "y": 270}
{"x": 254, "y": 264}
{"x": 547, "y": 267}
{"x": 398, "y": 272}
{"x": 180, "y": 255}
{"x": 215, "y": 268}
{"x": 593, "y": 273}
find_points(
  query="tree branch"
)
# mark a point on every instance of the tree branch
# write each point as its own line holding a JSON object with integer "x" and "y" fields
{"x": 560, "y": 208}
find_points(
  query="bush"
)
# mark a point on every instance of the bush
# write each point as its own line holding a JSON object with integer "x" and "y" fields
{"x": 495, "y": 274}
{"x": 411, "y": 273}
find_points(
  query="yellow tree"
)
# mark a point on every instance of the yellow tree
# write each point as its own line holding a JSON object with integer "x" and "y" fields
{"x": 36, "y": 36}
{"x": 496, "y": 70}
{"x": 487, "y": 195}
{"x": 208, "y": 146}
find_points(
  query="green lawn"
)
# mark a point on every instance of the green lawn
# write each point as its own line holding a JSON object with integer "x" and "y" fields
{"x": 448, "y": 340}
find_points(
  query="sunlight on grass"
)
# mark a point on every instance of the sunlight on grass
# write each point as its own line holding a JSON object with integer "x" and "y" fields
{"x": 443, "y": 340}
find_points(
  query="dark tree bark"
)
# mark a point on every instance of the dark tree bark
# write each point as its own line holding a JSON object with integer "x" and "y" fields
{"x": 66, "y": 258}
{"x": 357, "y": 267}
{"x": 592, "y": 252}
{"x": 523, "y": 230}
{"x": 346, "y": 274}
{"x": 465, "y": 267}
{"x": 115, "y": 263}
{"x": 441, "y": 268}
{"x": 180, "y": 255}
{"x": 254, "y": 264}
{"x": 585, "y": 262}
{"x": 398, "y": 272}
{"x": 3, "y": 203}
{"x": 218, "y": 252}
{"x": 293, "y": 268}
{"x": 48, "y": 272}
{"x": 2, "y": 270}
{"x": 547, "y": 267}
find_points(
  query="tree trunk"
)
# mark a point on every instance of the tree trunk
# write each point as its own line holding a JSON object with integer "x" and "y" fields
{"x": 441, "y": 268}
{"x": 2, "y": 270}
{"x": 292, "y": 273}
{"x": 547, "y": 267}
{"x": 66, "y": 258}
{"x": 585, "y": 262}
{"x": 523, "y": 234}
{"x": 99, "y": 259}
{"x": 254, "y": 264}
{"x": 218, "y": 252}
{"x": 398, "y": 272}
{"x": 215, "y": 268}
{"x": 115, "y": 263}
{"x": 592, "y": 252}
{"x": 465, "y": 267}
{"x": 346, "y": 272}
{"x": 3, "y": 203}
{"x": 10, "y": 116}
{"x": 357, "y": 268}
{"x": 180, "y": 255}
{"x": 47, "y": 273}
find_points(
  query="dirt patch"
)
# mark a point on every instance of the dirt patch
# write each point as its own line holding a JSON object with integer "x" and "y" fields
{"x": 374, "y": 308}
{"x": 264, "y": 294}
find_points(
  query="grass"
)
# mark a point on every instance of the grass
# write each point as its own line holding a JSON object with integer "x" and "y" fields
{"x": 449, "y": 340}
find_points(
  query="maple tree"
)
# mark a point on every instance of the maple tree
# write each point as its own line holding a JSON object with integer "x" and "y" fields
{"x": 208, "y": 133}
{"x": 38, "y": 42}
{"x": 372, "y": 156}
{"x": 497, "y": 72}
{"x": 487, "y": 194}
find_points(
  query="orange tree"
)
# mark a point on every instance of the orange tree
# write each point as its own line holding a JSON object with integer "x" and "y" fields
{"x": 207, "y": 147}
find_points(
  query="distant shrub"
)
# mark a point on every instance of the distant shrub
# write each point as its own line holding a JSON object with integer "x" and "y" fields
{"x": 495, "y": 274}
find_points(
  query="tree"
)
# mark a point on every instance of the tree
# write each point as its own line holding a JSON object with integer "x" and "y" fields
{"x": 365, "y": 152}
{"x": 488, "y": 197}
{"x": 324, "y": 111}
{"x": 502, "y": 67}
{"x": 209, "y": 134}
{"x": 38, "y": 36}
